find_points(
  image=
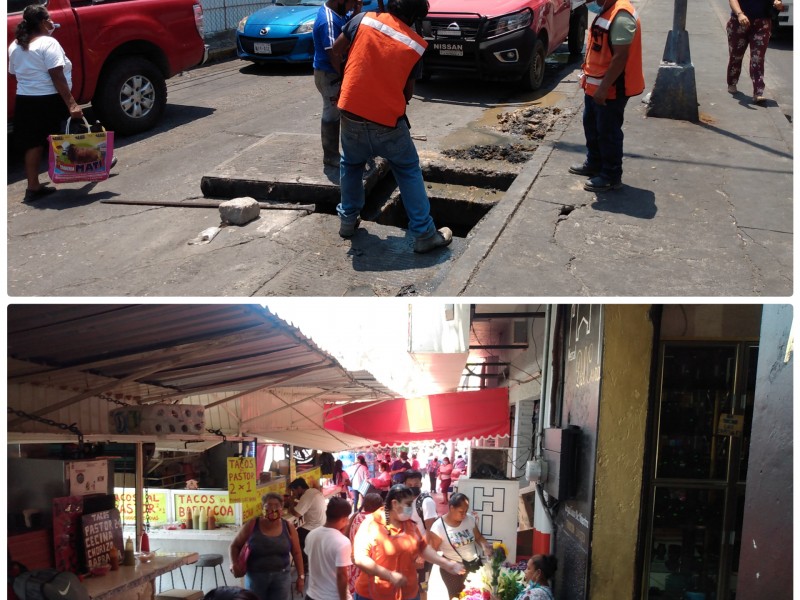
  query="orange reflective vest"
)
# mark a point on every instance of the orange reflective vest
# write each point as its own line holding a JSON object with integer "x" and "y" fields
{"x": 599, "y": 53}
{"x": 383, "y": 53}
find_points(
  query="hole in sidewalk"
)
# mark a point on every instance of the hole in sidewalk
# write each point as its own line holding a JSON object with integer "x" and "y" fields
{"x": 566, "y": 210}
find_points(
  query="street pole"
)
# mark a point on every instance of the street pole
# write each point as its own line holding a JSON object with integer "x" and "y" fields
{"x": 674, "y": 95}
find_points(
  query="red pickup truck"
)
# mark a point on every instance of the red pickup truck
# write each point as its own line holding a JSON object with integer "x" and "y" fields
{"x": 122, "y": 52}
{"x": 500, "y": 39}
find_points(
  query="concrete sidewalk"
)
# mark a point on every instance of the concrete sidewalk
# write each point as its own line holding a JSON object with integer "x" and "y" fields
{"x": 706, "y": 209}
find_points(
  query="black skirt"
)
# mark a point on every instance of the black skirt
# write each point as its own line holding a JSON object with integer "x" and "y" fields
{"x": 36, "y": 117}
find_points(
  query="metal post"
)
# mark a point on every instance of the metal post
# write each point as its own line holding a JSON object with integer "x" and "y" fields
{"x": 674, "y": 94}
{"x": 139, "y": 516}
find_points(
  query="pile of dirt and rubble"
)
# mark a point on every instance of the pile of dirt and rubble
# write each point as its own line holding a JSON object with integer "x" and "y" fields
{"x": 532, "y": 122}
{"x": 513, "y": 153}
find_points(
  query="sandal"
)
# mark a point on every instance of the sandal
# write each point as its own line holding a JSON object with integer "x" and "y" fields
{"x": 33, "y": 195}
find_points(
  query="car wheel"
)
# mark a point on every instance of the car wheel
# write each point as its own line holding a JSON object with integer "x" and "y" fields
{"x": 577, "y": 30}
{"x": 131, "y": 95}
{"x": 532, "y": 80}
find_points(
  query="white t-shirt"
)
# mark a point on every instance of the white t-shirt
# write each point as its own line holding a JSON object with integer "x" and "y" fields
{"x": 428, "y": 512}
{"x": 312, "y": 507}
{"x": 462, "y": 537}
{"x": 31, "y": 67}
{"x": 359, "y": 474}
{"x": 327, "y": 549}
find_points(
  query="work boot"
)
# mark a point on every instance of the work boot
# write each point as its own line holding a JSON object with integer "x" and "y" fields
{"x": 348, "y": 230}
{"x": 601, "y": 184}
{"x": 438, "y": 239}
{"x": 330, "y": 143}
{"x": 584, "y": 169}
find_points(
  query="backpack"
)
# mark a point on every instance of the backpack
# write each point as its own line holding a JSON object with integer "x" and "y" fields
{"x": 49, "y": 584}
{"x": 420, "y": 500}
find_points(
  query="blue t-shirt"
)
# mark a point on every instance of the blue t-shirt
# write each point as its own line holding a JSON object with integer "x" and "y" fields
{"x": 327, "y": 28}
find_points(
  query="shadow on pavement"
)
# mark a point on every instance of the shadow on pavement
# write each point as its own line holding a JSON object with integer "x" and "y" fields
{"x": 371, "y": 253}
{"x": 632, "y": 201}
{"x": 72, "y": 198}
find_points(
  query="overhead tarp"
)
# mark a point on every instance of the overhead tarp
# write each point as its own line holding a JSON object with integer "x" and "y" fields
{"x": 458, "y": 415}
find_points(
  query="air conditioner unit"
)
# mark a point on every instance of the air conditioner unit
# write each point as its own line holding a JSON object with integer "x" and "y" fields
{"x": 489, "y": 463}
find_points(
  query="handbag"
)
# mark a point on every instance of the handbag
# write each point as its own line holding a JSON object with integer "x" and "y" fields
{"x": 244, "y": 553}
{"x": 74, "y": 157}
{"x": 470, "y": 565}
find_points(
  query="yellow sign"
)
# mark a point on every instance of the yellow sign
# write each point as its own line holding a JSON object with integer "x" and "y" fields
{"x": 216, "y": 504}
{"x": 242, "y": 479}
{"x": 155, "y": 505}
{"x": 731, "y": 425}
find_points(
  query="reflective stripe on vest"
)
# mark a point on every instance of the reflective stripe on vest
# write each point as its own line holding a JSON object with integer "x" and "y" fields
{"x": 599, "y": 54}
{"x": 384, "y": 52}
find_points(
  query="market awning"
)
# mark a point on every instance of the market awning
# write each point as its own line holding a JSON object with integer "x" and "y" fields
{"x": 459, "y": 415}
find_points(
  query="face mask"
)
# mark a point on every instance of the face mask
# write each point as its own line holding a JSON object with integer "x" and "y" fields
{"x": 406, "y": 514}
{"x": 273, "y": 515}
{"x": 417, "y": 490}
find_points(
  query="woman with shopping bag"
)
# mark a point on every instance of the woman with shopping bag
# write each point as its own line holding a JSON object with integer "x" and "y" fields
{"x": 44, "y": 97}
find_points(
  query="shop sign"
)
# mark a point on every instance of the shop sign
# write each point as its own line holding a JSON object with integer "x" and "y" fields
{"x": 242, "y": 479}
{"x": 216, "y": 504}
{"x": 88, "y": 477}
{"x": 732, "y": 425}
{"x": 252, "y": 508}
{"x": 101, "y": 531}
{"x": 155, "y": 505}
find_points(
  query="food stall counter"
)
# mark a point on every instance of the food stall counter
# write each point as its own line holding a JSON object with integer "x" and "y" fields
{"x": 136, "y": 582}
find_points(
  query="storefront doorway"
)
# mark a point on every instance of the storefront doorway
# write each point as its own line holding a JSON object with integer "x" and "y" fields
{"x": 704, "y": 412}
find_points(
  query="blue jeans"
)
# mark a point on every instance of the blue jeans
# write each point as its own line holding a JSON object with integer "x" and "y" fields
{"x": 270, "y": 585}
{"x": 362, "y": 141}
{"x": 360, "y": 597}
{"x": 602, "y": 126}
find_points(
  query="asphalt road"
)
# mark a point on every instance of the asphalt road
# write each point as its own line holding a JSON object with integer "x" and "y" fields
{"x": 71, "y": 244}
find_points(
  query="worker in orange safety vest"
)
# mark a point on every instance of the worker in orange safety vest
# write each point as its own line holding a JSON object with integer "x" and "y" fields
{"x": 612, "y": 73}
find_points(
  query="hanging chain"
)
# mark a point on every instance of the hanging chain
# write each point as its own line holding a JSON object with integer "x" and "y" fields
{"x": 219, "y": 433}
{"x": 72, "y": 428}
{"x": 109, "y": 398}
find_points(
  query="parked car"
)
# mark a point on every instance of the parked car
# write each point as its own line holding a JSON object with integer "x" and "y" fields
{"x": 282, "y": 32}
{"x": 122, "y": 52}
{"x": 501, "y": 39}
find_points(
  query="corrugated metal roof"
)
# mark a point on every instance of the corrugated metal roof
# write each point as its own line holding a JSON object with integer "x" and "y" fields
{"x": 164, "y": 352}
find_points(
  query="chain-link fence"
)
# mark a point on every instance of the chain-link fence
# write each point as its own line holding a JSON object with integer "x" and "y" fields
{"x": 224, "y": 15}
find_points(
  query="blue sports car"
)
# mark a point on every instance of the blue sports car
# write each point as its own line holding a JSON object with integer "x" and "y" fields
{"x": 282, "y": 31}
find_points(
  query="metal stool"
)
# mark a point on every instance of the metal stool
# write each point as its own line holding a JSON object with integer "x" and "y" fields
{"x": 209, "y": 560}
{"x": 172, "y": 576}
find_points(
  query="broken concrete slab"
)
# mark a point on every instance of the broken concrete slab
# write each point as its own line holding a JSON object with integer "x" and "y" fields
{"x": 284, "y": 167}
{"x": 239, "y": 210}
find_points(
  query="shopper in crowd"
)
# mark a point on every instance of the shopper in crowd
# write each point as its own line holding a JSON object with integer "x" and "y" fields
{"x": 272, "y": 540}
{"x": 44, "y": 97}
{"x": 750, "y": 25}
{"x": 414, "y": 463}
{"x": 310, "y": 507}
{"x": 457, "y": 536}
{"x": 372, "y": 502}
{"x": 330, "y": 555}
{"x": 433, "y": 472}
{"x": 538, "y": 575}
{"x": 445, "y": 478}
{"x": 386, "y": 550}
{"x": 360, "y": 475}
{"x": 423, "y": 516}
{"x": 399, "y": 467}
{"x": 341, "y": 479}
{"x": 460, "y": 463}
{"x": 384, "y": 479}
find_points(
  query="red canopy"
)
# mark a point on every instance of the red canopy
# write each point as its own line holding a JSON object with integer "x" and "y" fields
{"x": 438, "y": 417}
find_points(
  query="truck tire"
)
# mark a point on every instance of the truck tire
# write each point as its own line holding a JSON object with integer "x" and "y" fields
{"x": 131, "y": 96}
{"x": 578, "y": 22}
{"x": 532, "y": 79}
